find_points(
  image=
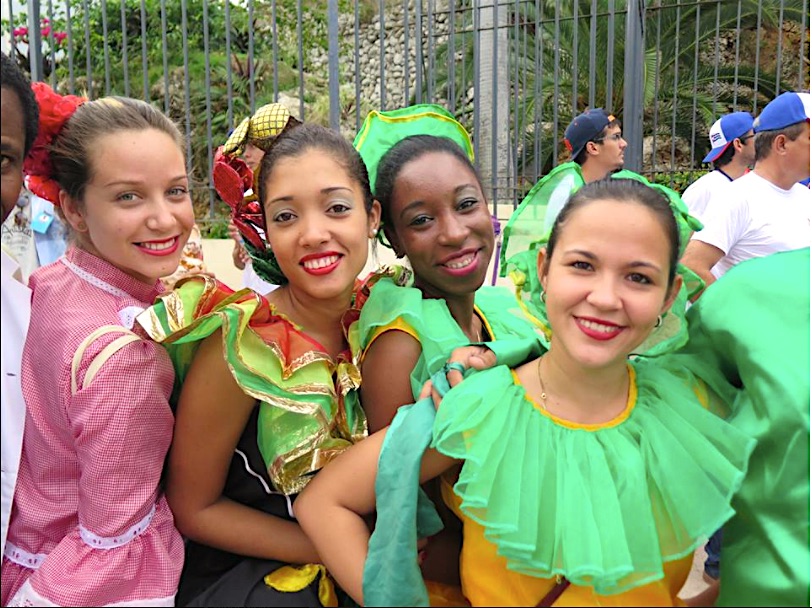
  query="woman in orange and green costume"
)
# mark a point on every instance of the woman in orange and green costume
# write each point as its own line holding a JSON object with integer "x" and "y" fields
{"x": 591, "y": 487}
{"x": 267, "y": 388}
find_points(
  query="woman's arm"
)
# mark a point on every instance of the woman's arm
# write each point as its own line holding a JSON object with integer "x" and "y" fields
{"x": 332, "y": 506}
{"x": 386, "y": 372}
{"x": 212, "y": 414}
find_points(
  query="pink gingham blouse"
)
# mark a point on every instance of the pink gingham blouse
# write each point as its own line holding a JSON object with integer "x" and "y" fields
{"x": 90, "y": 525}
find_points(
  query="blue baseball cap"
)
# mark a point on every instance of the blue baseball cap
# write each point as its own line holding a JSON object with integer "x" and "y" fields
{"x": 725, "y": 130}
{"x": 787, "y": 109}
{"x": 584, "y": 128}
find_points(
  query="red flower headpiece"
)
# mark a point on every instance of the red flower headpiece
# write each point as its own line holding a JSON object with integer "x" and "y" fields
{"x": 54, "y": 112}
{"x": 232, "y": 177}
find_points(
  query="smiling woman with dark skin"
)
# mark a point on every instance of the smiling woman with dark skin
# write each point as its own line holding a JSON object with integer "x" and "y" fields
{"x": 435, "y": 214}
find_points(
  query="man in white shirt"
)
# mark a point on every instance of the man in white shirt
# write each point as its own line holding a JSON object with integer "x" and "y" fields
{"x": 733, "y": 153}
{"x": 767, "y": 210}
{"x": 20, "y": 118}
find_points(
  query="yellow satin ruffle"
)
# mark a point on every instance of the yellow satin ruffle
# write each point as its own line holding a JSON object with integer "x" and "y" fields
{"x": 290, "y": 579}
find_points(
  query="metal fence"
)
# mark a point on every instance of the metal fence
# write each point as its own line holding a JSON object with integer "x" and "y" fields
{"x": 514, "y": 72}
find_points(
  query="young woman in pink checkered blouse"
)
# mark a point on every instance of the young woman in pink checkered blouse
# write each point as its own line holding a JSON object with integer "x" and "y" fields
{"x": 90, "y": 525}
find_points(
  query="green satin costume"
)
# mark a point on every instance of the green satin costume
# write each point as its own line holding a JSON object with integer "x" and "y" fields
{"x": 749, "y": 340}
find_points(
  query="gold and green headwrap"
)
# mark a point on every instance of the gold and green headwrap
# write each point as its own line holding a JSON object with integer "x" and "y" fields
{"x": 260, "y": 129}
{"x": 528, "y": 230}
{"x": 232, "y": 178}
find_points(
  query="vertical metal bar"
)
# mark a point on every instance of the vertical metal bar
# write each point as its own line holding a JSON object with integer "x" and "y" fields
{"x": 574, "y": 58}
{"x": 251, "y": 71}
{"x": 513, "y": 175}
{"x": 184, "y": 24}
{"x": 593, "y": 51}
{"x": 357, "y": 68}
{"x": 144, "y": 61}
{"x": 301, "y": 59}
{"x": 779, "y": 50}
{"x": 696, "y": 70}
{"x": 35, "y": 43}
{"x": 382, "y": 51}
{"x": 525, "y": 118}
{"x": 450, "y": 75}
{"x": 674, "y": 95}
{"x": 538, "y": 66}
{"x": 758, "y": 52}
{"x": 69, "y": 27}
{"x": 633, "y": 89}
{"x": 801, "y": 54}
{"x": 431, "y": 50}
{"x": 13, "y": 52}
{"x": 494, "y": 107}
{"x": 418, "y": 51}
{"x": 465, "y": 37}
{"x": 736, "y": 62}
{"x": 716, "y": 58}
{"x": 332, "y": 62}
{"x": 124, "y": 57}
{"x": 656, "y": 93}
{"x": 274, "y": 33}
{"x": 229, "y": 84}
{"x": 610, "y": 56}
{"x": 209, "y": 151}
{"x": 556, "y": 65}
{"x": 476, "y": 42}
{"x": 88, "y": 63}
{"x": 405, "y": 52}
{"x": 166, "y": 59}
{"x": 105, "y": 38}
{"x": 52, "y": 43}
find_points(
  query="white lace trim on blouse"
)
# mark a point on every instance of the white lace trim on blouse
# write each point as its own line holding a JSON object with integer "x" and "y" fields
{"x": 111, "y": 542}
{"x": 23, "y": 558}
{"x": 126, "y": 315}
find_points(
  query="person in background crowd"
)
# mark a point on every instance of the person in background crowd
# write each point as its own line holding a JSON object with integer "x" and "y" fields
{"x": 20, "y": 117}
{"x": 191, "y": 260}
{"x": 732, "y": 153}
{"x": 596, "y": 143}
{"x": 249, "y": 141}
{"x": 90, "y": 525}
{"x": 767, "y": 210}
{"x": 34, "y": 233}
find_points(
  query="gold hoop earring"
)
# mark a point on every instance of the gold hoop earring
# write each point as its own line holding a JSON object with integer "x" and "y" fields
{"x": 544, "y": 297}
{"x": 659, "y": 322}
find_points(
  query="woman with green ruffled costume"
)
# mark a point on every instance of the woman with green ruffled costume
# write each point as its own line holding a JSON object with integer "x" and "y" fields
{"x": 267, "y": 387}
{"x": 434, "y": 214}
{"x": 589, "y": 474}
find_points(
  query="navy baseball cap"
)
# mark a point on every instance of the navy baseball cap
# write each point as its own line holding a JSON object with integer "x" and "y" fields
{"x": 584, "y": 128}
{"x": 787, "y": 109}
{"x": 725, "y": 130}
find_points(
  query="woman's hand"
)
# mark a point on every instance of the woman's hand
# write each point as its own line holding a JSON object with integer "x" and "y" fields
{"x": 473, "y": 357}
